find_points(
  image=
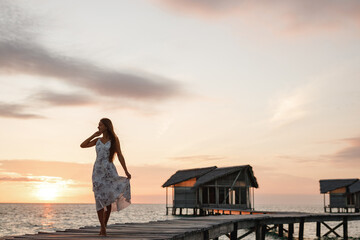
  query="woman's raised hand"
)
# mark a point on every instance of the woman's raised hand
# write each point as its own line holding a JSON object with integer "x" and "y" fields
{"x": 97, "y": 133}
{"x": 128, "y": 175}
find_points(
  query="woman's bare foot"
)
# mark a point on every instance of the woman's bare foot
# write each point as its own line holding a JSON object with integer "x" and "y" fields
{"x": 103, "y": 232}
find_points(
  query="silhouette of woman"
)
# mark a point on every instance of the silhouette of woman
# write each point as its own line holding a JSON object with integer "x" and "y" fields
{"x": 112, "y": 192}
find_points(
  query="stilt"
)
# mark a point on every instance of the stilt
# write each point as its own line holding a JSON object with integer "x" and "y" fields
{"x": 291, "y": 231}
{"x": 301, "y": 229}
{"x": 233, "y": 234}
{"x": 318, "y": 229}
{"x": 263, "y": 232}
{"x": 201, "y": 212}
{"x": 281, "y": 230}
{"x": 206, "y": 235}
{"x": 260, "y": 231}
{"x": 345, "y": 228}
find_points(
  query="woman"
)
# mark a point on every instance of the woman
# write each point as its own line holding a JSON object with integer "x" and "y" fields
{"x": 112, "y": 192}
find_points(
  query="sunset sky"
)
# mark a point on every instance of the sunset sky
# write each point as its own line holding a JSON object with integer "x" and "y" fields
{"x": 187, "y": 84}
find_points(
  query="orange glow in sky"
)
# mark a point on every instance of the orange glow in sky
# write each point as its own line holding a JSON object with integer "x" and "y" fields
{"x": 47, "y": 191}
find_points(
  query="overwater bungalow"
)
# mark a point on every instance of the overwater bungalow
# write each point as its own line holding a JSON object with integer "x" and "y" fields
{"x": 212, "y": 188}
{"x": 344, "y": 194}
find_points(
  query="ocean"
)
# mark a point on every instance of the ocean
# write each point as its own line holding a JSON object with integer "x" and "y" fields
{"x": 27, "y": 218}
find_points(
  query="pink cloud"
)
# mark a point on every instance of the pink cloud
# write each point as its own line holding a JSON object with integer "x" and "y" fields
{"x": 290, "y": 17}
{"x": 350, "y": 155}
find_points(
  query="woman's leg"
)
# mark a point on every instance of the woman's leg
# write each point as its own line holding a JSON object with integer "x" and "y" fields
{"x": 102, "y": 222}
{"x": 107, "y": 214}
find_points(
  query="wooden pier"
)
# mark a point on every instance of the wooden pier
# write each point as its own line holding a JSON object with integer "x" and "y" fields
{"x": 210, "y": 227}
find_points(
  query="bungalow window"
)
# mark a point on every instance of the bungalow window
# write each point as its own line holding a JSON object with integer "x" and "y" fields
{"x": 243, "y": 195}
{"x": 237, "y": 195}
{"x": 205, "y": 195}
{"x": 221, "y": 195}
{"x": 351, "y": 199}
{"x": 208, "y": 195}
{"x": 212, "y": 196}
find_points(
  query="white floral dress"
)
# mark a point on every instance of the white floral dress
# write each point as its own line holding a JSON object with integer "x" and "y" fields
{"x": 108, "y": 186}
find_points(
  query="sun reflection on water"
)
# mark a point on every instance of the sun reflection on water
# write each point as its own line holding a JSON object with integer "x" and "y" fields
{"x": 47, "y": 216}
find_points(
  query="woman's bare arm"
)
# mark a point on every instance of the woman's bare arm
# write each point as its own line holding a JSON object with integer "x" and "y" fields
{"x": 121, "y": 158}
{"x": 90, "y": 142}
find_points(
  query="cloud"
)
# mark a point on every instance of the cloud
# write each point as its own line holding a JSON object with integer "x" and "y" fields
{"x": 63, "y": 99}
{"x": 21, "y": 52}
{"x": 291, "y": 16}
{"x": 48, "y": 179}
{"x": 18, "y": 179}
{"x": 8, "y": 110}
{"x": 65, "y": 170}
{"x": 30, "y": 58}
{"x": 198, "y": 158}
{"x": 350, "y": 155}
{"x": 289, "y": 109}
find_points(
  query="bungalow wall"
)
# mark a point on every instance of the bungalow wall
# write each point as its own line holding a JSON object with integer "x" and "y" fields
{"x": 357, "y": 201}
{"x": 184, "y": 195}
{"x": 340, "y": 198}
{"x": 218, "y": 193}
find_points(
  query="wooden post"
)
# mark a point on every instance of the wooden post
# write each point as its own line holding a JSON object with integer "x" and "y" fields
{"x": 281, "y": 230}
{"x": 301, "y": 229}
{"x": 206, "y": 235}
{"x": 253, "y": 198}
{"x": 345, "y": 228}
{"x": 318, "y": 229}
{"x": 166, "y": 201}
{"x": 260, "y": 231}
{"x": 233, "y": 234}
{"x": 291, "y": 231}
{"x": 263, "y": 232}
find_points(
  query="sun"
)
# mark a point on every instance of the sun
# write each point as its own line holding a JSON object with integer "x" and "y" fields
{"x": 47, "y": 191}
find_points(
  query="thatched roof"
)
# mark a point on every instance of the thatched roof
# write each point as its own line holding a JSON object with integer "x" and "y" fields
{"x": 183, "y": 175}
{"x": 220, "y": 172}
{"x": 332, "y": 184}
{"x": 208, "y": 174}
{"x": 355, "y": 187}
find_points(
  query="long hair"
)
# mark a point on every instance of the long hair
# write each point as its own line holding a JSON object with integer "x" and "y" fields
{"x": 110, "y": 129}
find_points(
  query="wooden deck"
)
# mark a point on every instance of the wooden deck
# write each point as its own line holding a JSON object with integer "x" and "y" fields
{"x": 195, "y": 228}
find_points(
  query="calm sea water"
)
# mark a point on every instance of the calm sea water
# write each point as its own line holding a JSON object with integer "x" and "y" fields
{"x": 19, "y": 219}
